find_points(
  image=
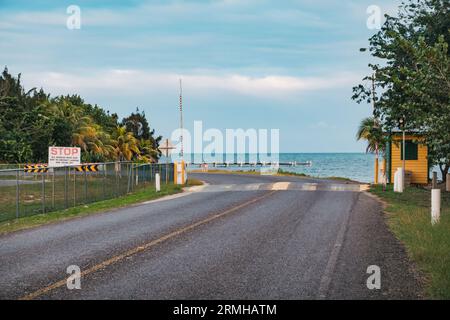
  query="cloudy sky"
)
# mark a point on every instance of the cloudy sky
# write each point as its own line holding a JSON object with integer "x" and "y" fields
{"x": 286, "y": 64}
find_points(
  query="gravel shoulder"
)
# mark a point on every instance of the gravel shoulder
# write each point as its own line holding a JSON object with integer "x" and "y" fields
{"x": 369, "y": 241}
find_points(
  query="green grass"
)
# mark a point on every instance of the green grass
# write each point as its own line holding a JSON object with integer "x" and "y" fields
{"x": 282, "y": 172}
{"x": 141, "y": 195}
{"x": 224, "y": 171}
{"x": 409, "y": 217}
{"x": 80, "y": 190}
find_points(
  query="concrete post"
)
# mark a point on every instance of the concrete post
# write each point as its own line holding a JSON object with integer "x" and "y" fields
{"x": 435, "y": 206}
{"x": 137, "y": 175}
{"x": 157, "y": 182}
{"x": 398, "y": 181}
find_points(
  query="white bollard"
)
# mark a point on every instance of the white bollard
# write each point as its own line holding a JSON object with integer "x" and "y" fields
{"x": 396, "y": 181}
{"x": 400, "y": 182}
{"x": 158, "y": 182}
{"x": 435, "y": 205}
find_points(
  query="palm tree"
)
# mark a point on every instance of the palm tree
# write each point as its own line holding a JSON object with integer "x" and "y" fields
{"x": 94, "y": 141}
{"x": 370, "y": 130}
{"x": 147, "y": 152}
{"x": 63, "y": 109}
{"x": 125, "y": 144}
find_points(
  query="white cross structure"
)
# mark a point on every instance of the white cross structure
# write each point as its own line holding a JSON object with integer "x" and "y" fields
{"x": 166, "y": 148}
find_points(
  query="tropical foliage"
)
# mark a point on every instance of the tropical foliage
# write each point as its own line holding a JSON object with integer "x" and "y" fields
{"x": 31, "y": 121}
{"x": 413, "y": 74}
{"x": 370, "y": 131}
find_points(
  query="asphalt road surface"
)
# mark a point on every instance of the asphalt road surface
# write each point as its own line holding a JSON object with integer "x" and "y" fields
{"x": 240, "y": 237}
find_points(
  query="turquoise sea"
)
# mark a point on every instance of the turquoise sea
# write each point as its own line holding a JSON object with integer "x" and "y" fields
{"x": 355, "y": 166}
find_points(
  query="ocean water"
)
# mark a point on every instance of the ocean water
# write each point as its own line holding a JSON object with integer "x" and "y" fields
{"x": 355, "y": 166}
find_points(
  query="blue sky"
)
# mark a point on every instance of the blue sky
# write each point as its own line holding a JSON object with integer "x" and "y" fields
{"x": 288, "y": 65}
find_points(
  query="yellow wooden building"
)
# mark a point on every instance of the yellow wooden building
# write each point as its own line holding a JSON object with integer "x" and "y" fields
{"x": 416, "y": 161}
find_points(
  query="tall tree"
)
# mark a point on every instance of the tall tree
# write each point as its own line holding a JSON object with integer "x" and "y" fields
{"x": 413, "y": 74}
{"x": 137, "y": 123}
{"x": 30, "y": 121}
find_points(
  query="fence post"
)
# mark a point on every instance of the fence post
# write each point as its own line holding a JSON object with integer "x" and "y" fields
{"x": 116, "y": 169}
{"x": 85, "y": 187}
{"x": 43, "y": 191}
{"x": 66, "y": 204}
{"x": 74, "y": 186}
{"x": 131, "y": 177}
{"x": 167, "y": 173}
{"x": 128, "y": 177}
{"x": 17, "y": 195}
{"x": 146, "y": 172}
{"x": 137, "y": 171}
{"x": 105, "y": 166}
{"x": 53, "y": 187}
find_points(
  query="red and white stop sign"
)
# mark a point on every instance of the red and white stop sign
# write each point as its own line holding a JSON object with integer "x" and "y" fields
{"x": 63, "y": 156}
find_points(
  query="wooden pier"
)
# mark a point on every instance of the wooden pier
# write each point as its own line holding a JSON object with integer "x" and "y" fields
{"x": 251, "y": 164}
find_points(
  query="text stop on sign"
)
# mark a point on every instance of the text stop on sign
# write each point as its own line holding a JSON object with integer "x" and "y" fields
{"x": 63, "y": 156}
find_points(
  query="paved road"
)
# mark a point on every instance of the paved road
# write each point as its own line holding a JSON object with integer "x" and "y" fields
{"x": 240, "y": 237}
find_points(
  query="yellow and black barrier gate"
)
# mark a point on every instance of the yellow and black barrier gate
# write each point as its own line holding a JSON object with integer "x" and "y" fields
{"x": 35, "y": 168}
{"x": 87, "y": 167}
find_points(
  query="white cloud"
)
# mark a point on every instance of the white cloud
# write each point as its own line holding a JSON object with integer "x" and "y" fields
{"x": 320, "y": 125}
{"x": 149, "y": 14}
{"x": 124, "y": 82}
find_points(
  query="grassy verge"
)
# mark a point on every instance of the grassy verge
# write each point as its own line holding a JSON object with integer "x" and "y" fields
{"x": 279, "y": 173}
{"x": 409, "y": 217}
{"x": 96, "y": 207}
{"x": 287, "y": 173}
{"x": 224, "y": 171}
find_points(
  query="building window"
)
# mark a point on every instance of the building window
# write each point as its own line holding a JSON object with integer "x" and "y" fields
{"x": 411, "y": 149}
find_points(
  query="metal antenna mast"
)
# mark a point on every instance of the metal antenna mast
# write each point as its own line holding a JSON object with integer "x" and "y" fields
{"x": 181, "y": 121}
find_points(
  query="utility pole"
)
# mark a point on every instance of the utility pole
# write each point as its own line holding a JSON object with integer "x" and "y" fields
{"x": 402, "y": 123}
{"x": 404, "y": 153}
{"x": 181, "y": 121}
{"x": 375, "y": 126}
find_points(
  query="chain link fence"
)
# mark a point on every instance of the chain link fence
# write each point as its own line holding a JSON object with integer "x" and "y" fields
{"x": 24, "y": 193}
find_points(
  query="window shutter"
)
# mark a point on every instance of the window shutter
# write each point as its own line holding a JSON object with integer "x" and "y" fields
{"x": 411, "y": 150}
